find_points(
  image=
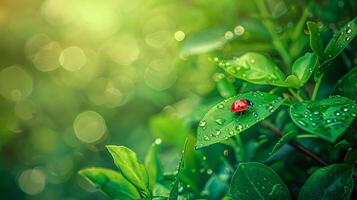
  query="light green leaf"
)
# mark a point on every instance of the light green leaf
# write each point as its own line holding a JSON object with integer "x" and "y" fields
{"x": 224, "y": 86}
{"x": 130, "y": 167}
{"x": 328, "y": 183}
{"x": 283, "y": 140}
{"x": 347, "y": 85}
{"x": 253, "y": 181}
{"x": 153, "y": 165}
{"x": 341, "y": 39}
{"x": 315, "y": 39}
{"x": 219, "y": 123}
{"x": 328, "y": 118}
{"x": 203, "y": 42}
{"x": 169, "y": 128}
{"x": 304, "y": 66}
{"x": 254, "y": 68}
{"x": 111, "y": 183}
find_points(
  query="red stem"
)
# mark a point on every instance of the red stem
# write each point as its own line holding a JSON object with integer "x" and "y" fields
{"x": 297, "y": 146}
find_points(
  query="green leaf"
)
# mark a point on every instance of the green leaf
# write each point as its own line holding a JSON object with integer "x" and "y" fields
{"x": 331, "y": 182}
{"x": 304, "y": 66}
{"x": 175, "y": 185}
{"x": 347, "y": 85}
{"x": 254, "y": 68}
{"x": 283, "y": 140}
{"x": 315, "y": 39}
{"x": 111, "y": 183}
{"x": 203, "y": 42}
{"x": 328, "y": 118}
{"x": 153, "y": 165}
{"x": 169, "y": 128}
{"x": 341, "y": 39}
{"x": 224, "y": 86}
{"x": 253, "y": 181}
{"x": 219, "y": 123}
{"x": 130, "y": 167}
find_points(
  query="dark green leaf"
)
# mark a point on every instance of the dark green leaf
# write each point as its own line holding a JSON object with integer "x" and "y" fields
{"x": 219, "y": 123}
{"x": 130, "y": 167}
{"x": 315, "y": 39}
{"x": 203, "y": 42}
{"x": 283, "y": 140}
{"x": 254, "y": 181}
{"x": 153, "y": 165}
{"x": 111, "y": 183}
{"x": 254, "y": 68}
{"x": 304, "y": 66}
{"x": 328, "y": 118}
{"x": 351, "y": 156}
{"x": 347, "y": 85}
{"x": 341, "y": 39}
{"x": 328, "y": 183}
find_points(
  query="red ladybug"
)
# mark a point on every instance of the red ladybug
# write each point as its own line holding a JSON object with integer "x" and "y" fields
{"x": 240, "y": 105}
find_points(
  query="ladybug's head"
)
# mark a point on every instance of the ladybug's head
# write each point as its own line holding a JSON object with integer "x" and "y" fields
{"x": 250, "y": 103}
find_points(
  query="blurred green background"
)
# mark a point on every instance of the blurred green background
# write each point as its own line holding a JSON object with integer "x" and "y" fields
{"x": 76, "y": 75}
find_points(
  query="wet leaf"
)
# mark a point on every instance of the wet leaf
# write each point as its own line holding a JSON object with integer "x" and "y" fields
{"x": 153, "y": 165}
{"x": 254, "y": 68}
{"x": 328, "y": 183}
{"x": 111, "y": 183}
{"x": 347, "y": 85}
{"x": 253, "y": 181}
{"x": 315, "y": 39}
{"x": 130, "y": 167}
{"x": 220, "y": 123}
{"x": 341, "y": 39}
{"x": 203, "y": 42}
{"x": 328, "y": 118}
{"x": 304, "y": 66}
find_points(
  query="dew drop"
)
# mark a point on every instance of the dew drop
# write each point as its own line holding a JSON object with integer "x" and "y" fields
{"x": 348, "y": 38}
{"x": 204, "y": 158}
{"x": 244, "y": 75}
{"x": 337, "y": 113}
{"x": 231, "y": 132}
{"x": 220, "y": 121}
{"x": 349, "y": 30}
{"x": 239, "y": 127}
{"x": 206, "y": 138}
{"x": 217, "y": 133}
{"x": 203, "y": 124}
{"x": 302, "y": 123}
{"x": 209, "y": 171}
{"x": 344, "y": 109}
{"x": 220, "y": 106}
{"x": 225, "y": 153}
{"x": 252, "y": 61}
{"x": 216, "y": 59}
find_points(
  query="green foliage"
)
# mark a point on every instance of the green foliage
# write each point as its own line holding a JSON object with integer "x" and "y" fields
{"x": 130, "y": 167}
{"x": 111, "y": 183}
{"x": 328, "y": 118}
{"x": 220, "y": 124}
{"x": 332, "y": 182}
{"x": 257, "y": 153}
{"x": 252, "y": 67}
{"x": 347, "y": 85}
{"x": 257, "y": 181}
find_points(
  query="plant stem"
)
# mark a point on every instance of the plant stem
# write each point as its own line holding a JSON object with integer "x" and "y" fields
{"x": 296, "y": 95}
{"x": 240, "y": 150}
{"x": 316, "y": 88}
{"x": 296, "y": 145}
{"x": 301, "y": 23}
{"x": 275, "y": 38}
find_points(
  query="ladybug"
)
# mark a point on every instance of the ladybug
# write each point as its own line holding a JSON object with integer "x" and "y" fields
{"x": 240, "y": 105}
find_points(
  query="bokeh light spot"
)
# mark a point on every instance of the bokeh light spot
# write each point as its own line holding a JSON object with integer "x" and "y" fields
{"x": 89, "y": 126}
{"x": 32, "y": 181}
{"x": 15, "y": 83}
{"x": 179, "y": 36}
{"x": 72, "y": 58}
